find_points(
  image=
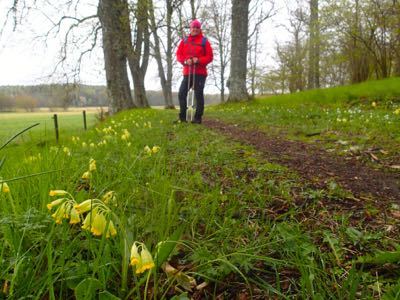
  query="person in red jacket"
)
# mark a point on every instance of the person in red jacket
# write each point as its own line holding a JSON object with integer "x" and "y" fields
{"x": 194, "y": 53}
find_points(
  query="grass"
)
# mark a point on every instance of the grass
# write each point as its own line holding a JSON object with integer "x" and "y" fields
{"x": 68, "y": 123}
{"x": 230, "y": 222}
{"x": 343, "y": 119}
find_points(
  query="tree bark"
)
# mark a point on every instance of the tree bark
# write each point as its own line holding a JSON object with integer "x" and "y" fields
{"x": 239, "y": 38}
{"x": 314, "y": 49}
{"x": 139, "y": 52}
{"x": 397, "y": 39}
{"x": 110, "y": 14}
{"x": 165, "y": 85}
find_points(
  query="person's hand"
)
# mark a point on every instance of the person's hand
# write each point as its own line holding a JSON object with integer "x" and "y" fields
{"x": 189, "y": 61}
{"x": 195, "y": 60}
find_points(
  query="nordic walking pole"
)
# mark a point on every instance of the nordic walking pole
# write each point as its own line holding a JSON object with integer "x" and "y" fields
{"x": 188, "y": 107}
{"x": 193, "y": 91}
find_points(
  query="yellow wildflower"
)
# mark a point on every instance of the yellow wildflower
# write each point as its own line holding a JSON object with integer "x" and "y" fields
{"x": 4, "y": 187}
{"x": 65, "y": 210}
{"x": 60, "y": 213}
{"x": 74, "y": 216}
{"x": 135, "y": 257}
{"x": 98, "y": 224}
{"x": 86, "y": 175}
{"x": 84, "y": 206}
{"x": 146, "y": 261}
{"x": 111, "y": 230}
{"x": 397, "y": 111}
{"x": 109, "y": 197}
{"x": 147, "y": 150}
{"x": 155, "y": 149}
{"x": 88, "y": 220}
{"x": 55, "y": 203}
{"x": 84, "y": 145}
{"x": 373, "y": 104}
{"x": 67, "y": 151}
{"x": 92, "y": 145}
{"x": 92, "y": 165}
{"x": 58, "y": 193}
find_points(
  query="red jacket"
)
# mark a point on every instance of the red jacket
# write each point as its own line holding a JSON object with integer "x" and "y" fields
{"x": 191, "y": 47}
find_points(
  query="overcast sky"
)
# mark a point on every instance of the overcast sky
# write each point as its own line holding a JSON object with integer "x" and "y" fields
{"x": 26, "y": 60}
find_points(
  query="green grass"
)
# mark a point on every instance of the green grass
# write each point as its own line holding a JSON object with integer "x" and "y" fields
{"x": 67, "y": 121}
{"x": 364, "y": 116}
{"x": 215, "y": 209}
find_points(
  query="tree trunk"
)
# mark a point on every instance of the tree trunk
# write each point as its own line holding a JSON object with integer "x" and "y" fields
{"x": 397, "y": 40}
{"x": 135, "y": 55}
{"x": 239, "y": 38}
{"x": 166, "y": 88}
{"x": 314, "y": 49}
{"x": 358, "y": 56}
{"x": 110, "y": 14}
{"x": 193, "y": 9}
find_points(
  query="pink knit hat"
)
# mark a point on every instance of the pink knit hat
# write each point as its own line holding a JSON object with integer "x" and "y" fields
{"x": 195, "y": 23}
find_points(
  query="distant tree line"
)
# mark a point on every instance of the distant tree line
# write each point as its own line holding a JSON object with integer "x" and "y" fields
{"x": 53, "y": 96}
{"x": 30, "y": 98}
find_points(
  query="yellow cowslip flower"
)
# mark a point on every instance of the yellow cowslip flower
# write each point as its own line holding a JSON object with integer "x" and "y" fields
{"x": 129, "y": 144}
{"x": 88, "y": 220}
{"x": 60, "y": 213}
{"x": 135, "y": 257}
{"x": 111, "y": 230}
{"x": 55, "y": 203}
{"x": 109, "y": 197}
{"x": 84, "y": 145}
{"x": 74, "y": 216}
{"x": 373, "y": 104}
{"x": 65, "y": 210}
{"x": 58, "y": 193}
{"x": 146, "y": 261}
{"x": 155, "y": 149}
{"x": 91, "y": 145}
{"x": 126, "y": 135}
{"x": 98, "y": 224}
{"x": 147, "y": 149}
{"x": 86, "y": 175}
{"x": 84, "y": 206}
{"x": 397, "y": 111}
{"x": 67, "y": 151}
{"x": 92, "y": 165}
{"x": 4, "y": 187}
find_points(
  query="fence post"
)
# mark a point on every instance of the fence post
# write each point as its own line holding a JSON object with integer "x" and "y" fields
{"x": 84, "y": 120}
{"x": 56, "y": 126}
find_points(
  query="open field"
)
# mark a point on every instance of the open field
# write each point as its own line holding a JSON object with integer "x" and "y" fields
{"x": 70, "y": 121}
{"x": 141, "y": 208}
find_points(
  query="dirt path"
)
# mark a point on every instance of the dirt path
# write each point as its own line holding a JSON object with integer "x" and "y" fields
{"x": 316, "y": 165}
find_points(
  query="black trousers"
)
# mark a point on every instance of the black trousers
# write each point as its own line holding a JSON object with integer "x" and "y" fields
{"x": 199, "y": 83}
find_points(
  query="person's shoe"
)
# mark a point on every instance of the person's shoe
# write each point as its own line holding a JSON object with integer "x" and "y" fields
{"x": 196, "y": 121}
{"x": 179, "y": 121}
